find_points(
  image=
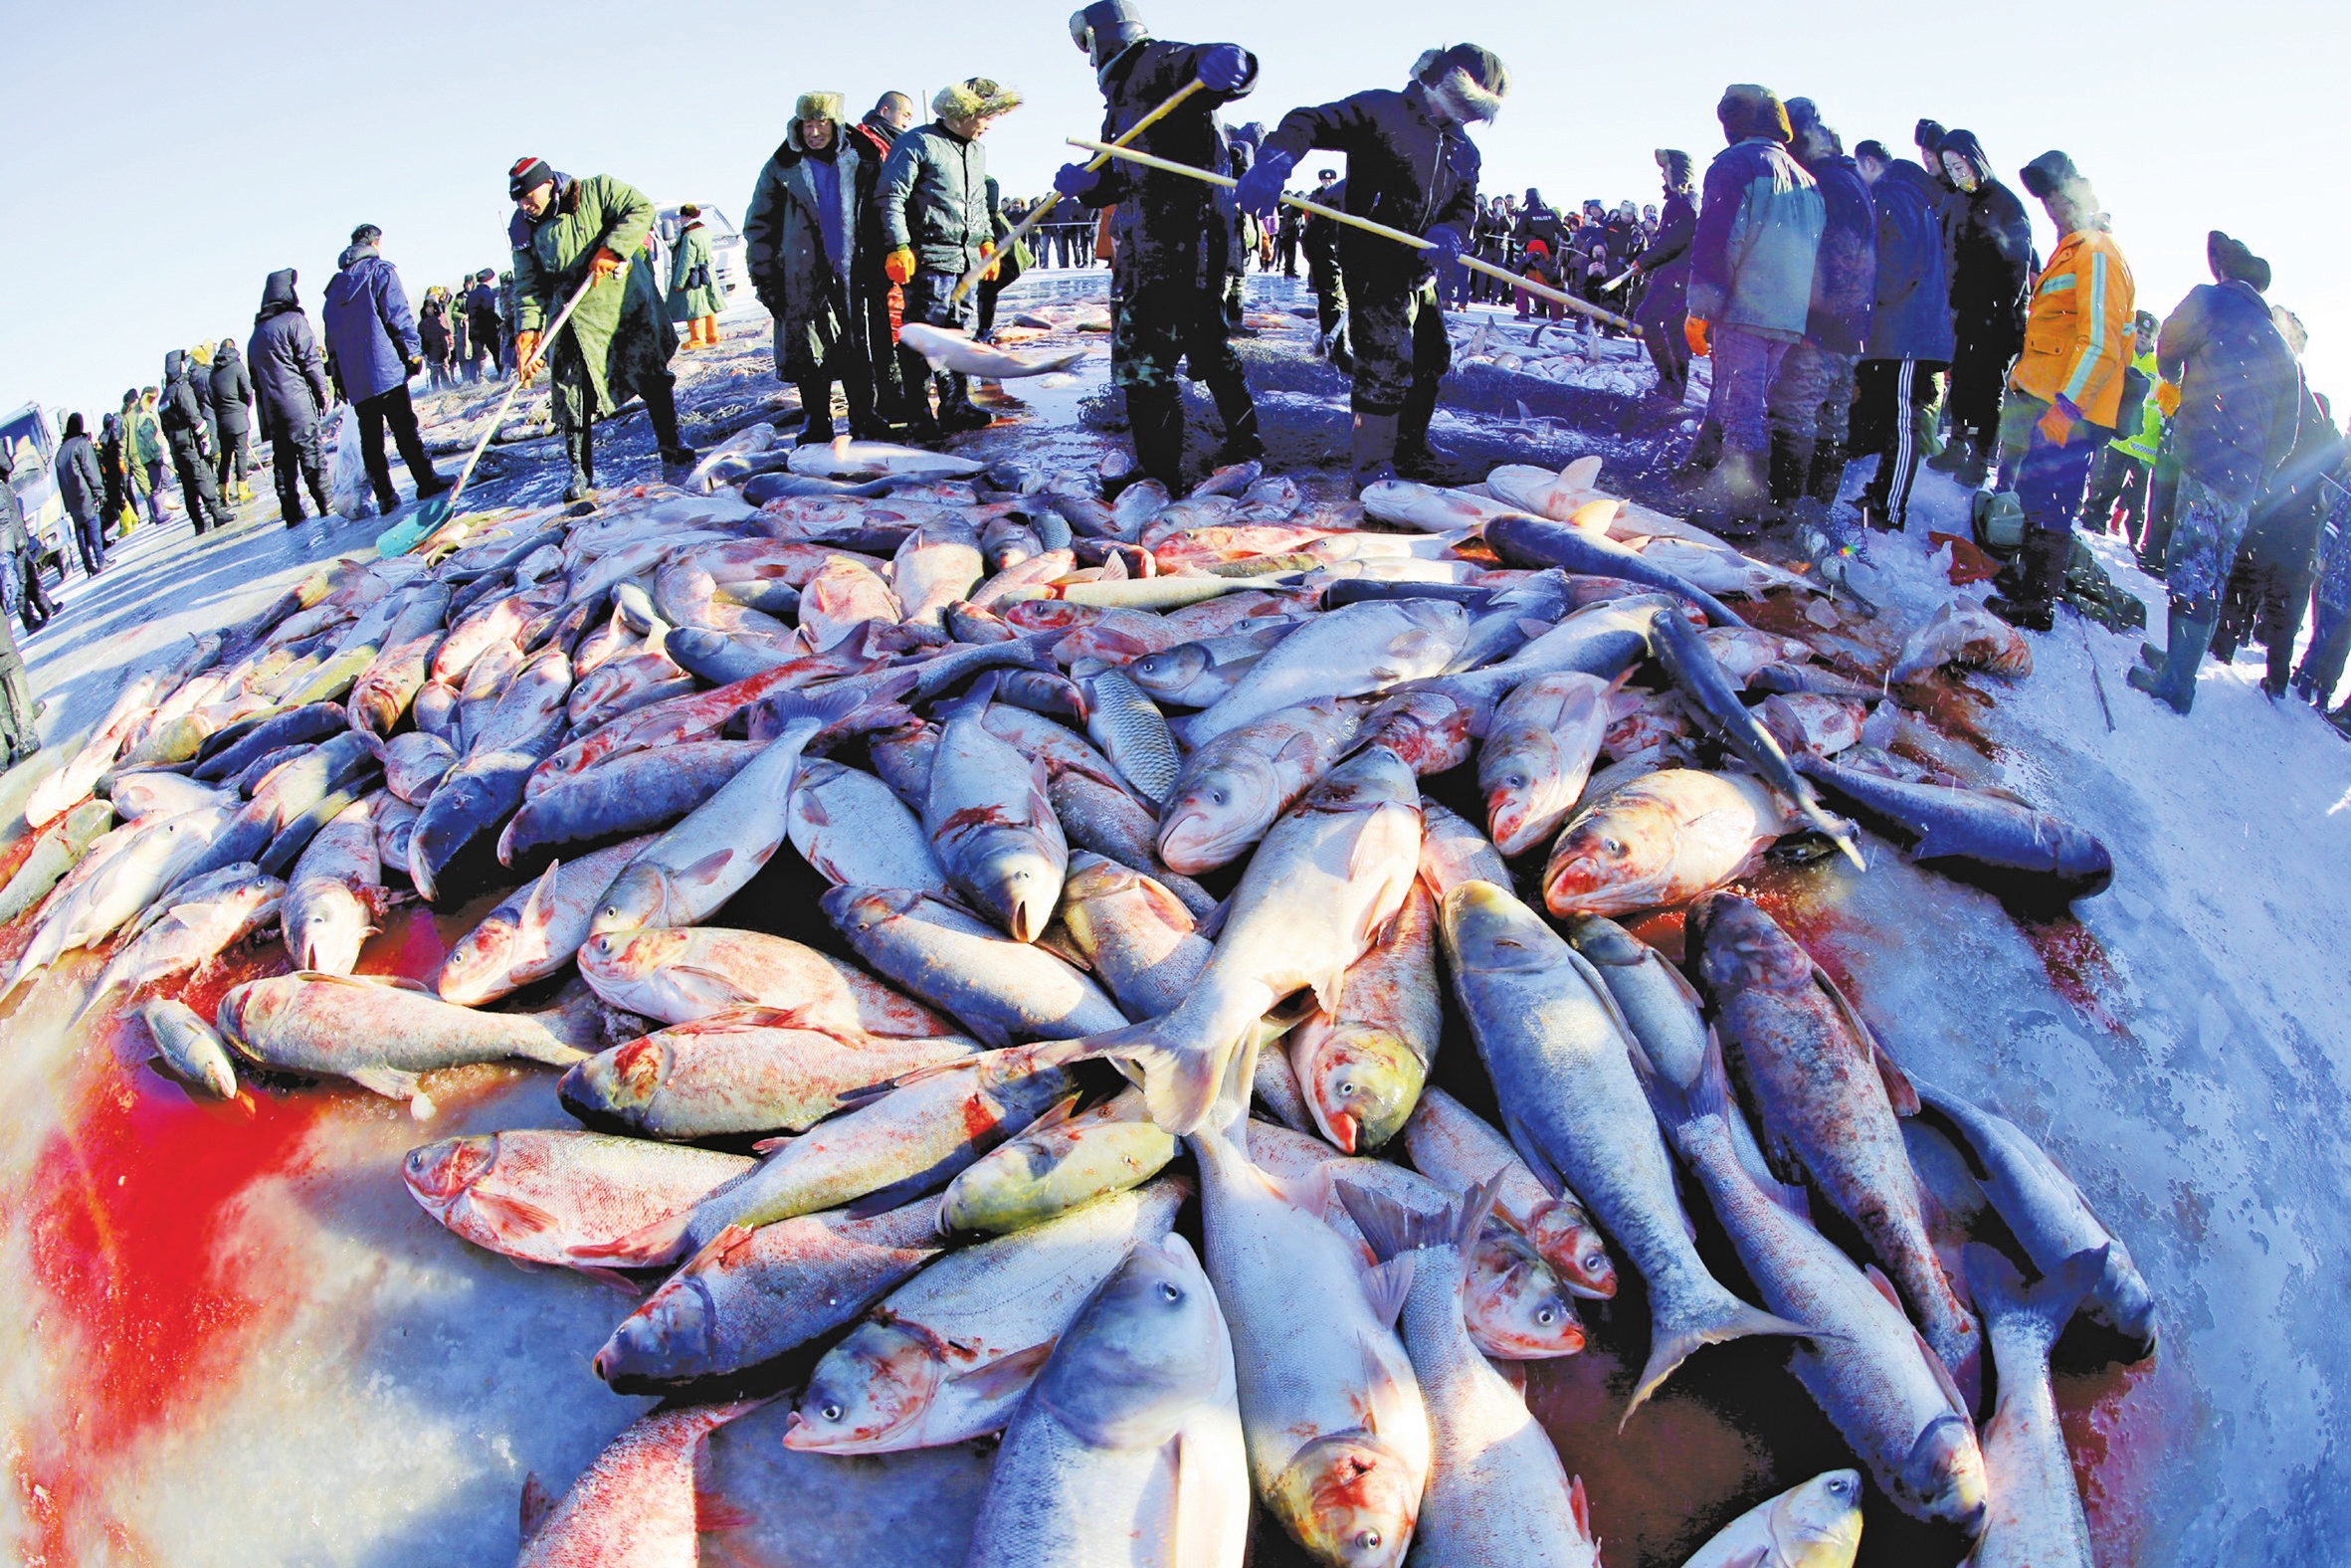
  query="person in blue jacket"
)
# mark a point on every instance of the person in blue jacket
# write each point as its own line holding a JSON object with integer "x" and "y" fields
{"x": 1910, "y": 341}
{"x": 1812, "y": 401}
{"x": 2240, "y": 397}
{"x": 1665, "y": 265}
{"x": 1750, "y": 289}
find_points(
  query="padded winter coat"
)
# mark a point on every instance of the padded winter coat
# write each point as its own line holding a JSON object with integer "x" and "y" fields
{"x": 1403, "y": 169}
{"x": 371, "y": 333}
{"x": 1844, "y": 272}
{"x": 934, "y": 200}
{"x": 2239, "y": 389}
{"x": 232, "y": 392}
{"x": 1912, "y": 318}
{"x": 1759, "y": 235}
{"x": 289, "y": 381}
{"x": 2079, "y": 333}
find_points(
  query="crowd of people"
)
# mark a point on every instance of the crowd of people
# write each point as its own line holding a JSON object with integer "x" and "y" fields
{"x": 1853, "y": 305}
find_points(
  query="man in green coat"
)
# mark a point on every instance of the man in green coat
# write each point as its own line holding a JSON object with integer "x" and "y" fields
{"x": 696, "y": 298}
{"x": 800, "y": 237}
{"x": 568, "y": 232}
{"x": 938, "y": 225}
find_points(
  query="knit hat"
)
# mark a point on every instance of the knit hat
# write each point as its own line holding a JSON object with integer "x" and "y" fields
{"x": 527, "y": 174}
{"x": 1750, "y": 110}
{"x": 2232, "y": 262}
{"x": 974, "y": 98}
{"x": 821, "y": 105}
{"x": 1927, "y": 136}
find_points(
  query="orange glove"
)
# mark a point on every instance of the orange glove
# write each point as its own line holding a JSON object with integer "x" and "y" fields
{"x": 988, "y": 247}
{"x": 1695, "y": 334}
{"x": 526, "y": 354}
{"x": 607, "y": 263}
{"x": 2167, "y": 397}
{"x": 899, "y": 265}
{"x": 2058, "y": 422}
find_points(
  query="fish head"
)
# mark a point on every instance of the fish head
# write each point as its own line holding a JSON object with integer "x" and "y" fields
{"x": 470, "y": 974}
{"x": 1222, "y": 810}
{"x": 2121, "y": 1300}
{"x": 1029, "y": 1179}
{"x": 621, "y": 1081}
{"x": 1515, "y": 1306}
{"x": 1167, "y": 673}
{"x": 858, "y": 911}
{"x": 624, "y": 959}
{"x": 1015, "y": 883}
{"x": 1819, "y": 1523}
{"x": 1489, "y": 932}
{"x": 639, "y": 897}
{"x": 247, "y": 1010}
{"x": 1616, "y": 857}
{"x": 873, "y": 1387}
{"x": 1150, "y": 1346}
{"x": 1740, "y": 947}
{"x": 674, "y": 1334}
{"x": 1361, "y": 1082}
{"x": 1943, "y": 1477}
{"x": 1349, "y": 1500}
{"x": 1513, "y": 769}
{"x": 1606, "y": 945}
{"x": 1566, "y": 1239}
{"x": 439, "y": 1174}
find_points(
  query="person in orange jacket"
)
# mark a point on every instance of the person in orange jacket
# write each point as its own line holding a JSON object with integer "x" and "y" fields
{"x": 2078, "y": 338}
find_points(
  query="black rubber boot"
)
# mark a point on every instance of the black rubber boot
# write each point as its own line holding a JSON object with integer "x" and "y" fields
{"x": 957, "y": 412}
{"x": 2041, "y": 577}
{"x": 1417, "y": 457}
{"x": 922, "y": 426}
{"x": 816, "y": 412}
{"x": 1239, "y": 411}
{"x": 579, "y": 445}
{"x": 1790, "y": 468}
{"x": 1375, "y": 450}
{"x": 2174, "y": 681}
{"x": 1735, "y": 506}
{"x": 1705, "y": 453}
{"x": 866, "y": 420}
{"x": 661, "y": 406}
{"x": 1156, "y": 415}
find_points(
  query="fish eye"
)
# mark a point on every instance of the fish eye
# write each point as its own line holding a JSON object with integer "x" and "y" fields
{"x": 1612, "y": 846}
{"x": 1346, "y": 1086}
{"x": 832, "y": 1411}
{"x": 1547, "y": 1316}
{"x": 1217, "y": 795}
{"x": 1168, "y": 1292}
{"x": 1367, "y": 1540}
{"x": 1841, "y": 1487}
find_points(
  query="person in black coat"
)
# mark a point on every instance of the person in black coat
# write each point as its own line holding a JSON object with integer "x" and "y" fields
{"x": 184, "y": 431}
{"x": 1662, "y": 273}
{"x": 1319, "y": 237}
{"x": 2279, "y": 561}
{"x": 291, "y": 387}
{"x": 484, "y": 329}
{"x": 1411, "y": 165}
{"x": 1988, "y": 243}
{"x": 83, "y": 489}
{"x": 232, "y": 419}
{"x": 19, "y": 560}
{"x": 872, "y": 296}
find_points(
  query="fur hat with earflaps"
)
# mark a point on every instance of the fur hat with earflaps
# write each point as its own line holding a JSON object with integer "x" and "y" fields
{"x": 821, "y": 105}
{"x": 973, "y": 97}
{"x": 1470, "y": 81}
{"x": 2233, "y": 262}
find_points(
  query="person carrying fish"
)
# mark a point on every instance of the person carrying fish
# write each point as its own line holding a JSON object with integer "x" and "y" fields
{"x": 2077, "y": 341}
{"x": 1412, "y": 165}
{"x": 937, "y": 226}
{"x": 1171, "y": 245}
{"x": 801, "y": 232}
{"x": 565, "y": 232}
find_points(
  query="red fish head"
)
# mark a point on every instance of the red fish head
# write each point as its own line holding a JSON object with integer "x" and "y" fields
{"x": 622, "y": 1079}
{"x": 1616, "y": 857}
{"x": 1515, "y": 1306}
{"x": 1361, "y": 1082}
{"x": 1350, "y": 1500}
{"x": 873, "y": 1386}
{"x": 438, "y": 1175}
{"x": 1567, "y": 1240}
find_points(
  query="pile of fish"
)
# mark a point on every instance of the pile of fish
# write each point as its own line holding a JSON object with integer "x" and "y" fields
{"x": 1097, "y": 1108}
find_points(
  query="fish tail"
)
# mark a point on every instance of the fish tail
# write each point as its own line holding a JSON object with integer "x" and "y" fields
{"x": 1715, "y": 1317}
{"x": 1393, "y": 1229}
{"x": 2041, "y": 1313}
{"x": 1184, "y": 1069}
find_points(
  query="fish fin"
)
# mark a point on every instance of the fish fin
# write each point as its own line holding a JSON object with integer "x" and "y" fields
{"x": 1391, "y": 1403}
{"x": 1882, "y": 1285}
{"x": 1729, "y": 1318}
{"x": 1056, "y": 940}
{"x": 1059, "y": 1111}
{"x": 766, "y": 1146}
{"x": 1213, "y": 924}
{"x": 1207, "y": 1516}
{"x": 1578, "y": 477}
{"x": 1533, "y": 1153}
{"x": 1180, "y": 1086}
{"x": 1165, "y": 904}
{"x": 538, "y": 1505}
{"x": 1943, "y": 1378}
{"x": 2000, "y": 1291}
{"x": 712, "y": 1513}
{"x": 390, "y": 1082}
{"x": 1899, "y": 1091}
{"x": 613, "y": 1280}
{"x": 975, "y": 701}
{"x": 538, "y": 910}
{"x": 644, "y": 1247}
{"x": 1385, "y": 1285}
{"x": 512, "y": 1214}
{"x": 1007, "y": 1376}
{"x": 721, "y": 982}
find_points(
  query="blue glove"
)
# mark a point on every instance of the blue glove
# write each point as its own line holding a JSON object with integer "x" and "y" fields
{"x": 1075, "y": 180}
{"x": 1449, "y": 243}
{"x": 1259, "y": 190}
{"x": 1222, "y": 68}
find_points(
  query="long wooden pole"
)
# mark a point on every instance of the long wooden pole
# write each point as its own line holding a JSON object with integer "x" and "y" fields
{"x": 1540, "y": 291}
{"x": 1035, "y": 219}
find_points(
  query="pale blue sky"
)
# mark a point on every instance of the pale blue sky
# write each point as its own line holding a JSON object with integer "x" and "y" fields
{"x": 158, "y": 160}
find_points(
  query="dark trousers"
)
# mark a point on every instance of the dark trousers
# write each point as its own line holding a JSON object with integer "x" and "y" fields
{"x": 2119, "y": 480}
{"x": 90, "y": 536}
{"x": 1979, "y": 373}
{"x": 1396, "y": 335}
{"x": 229, "y": 462}
{"x": 37, "y": 607}
{"x": 296, "y": 458}
{"x": 1668, "y": 350}
{"x": 1287, "y": 249}
{"x": 1330, "y": 292}
{"x": 200, "y": 492}
{"x": 1889, "y": 396}
{"x": 2055, "y": 475}
{"x": 394, "y": 409}
{"x": 869, "y": 311}
{"x": 156, "y": 491}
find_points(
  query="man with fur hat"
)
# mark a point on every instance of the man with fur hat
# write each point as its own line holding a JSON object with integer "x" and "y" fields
{"x": 1988, "y": 239}
{"x": 1666, "y": 265}
{"x": 1412, "y": 165}
{"x": 2068, "y": 379}
{"x": 2240, "y": 396}
{"x": 1750, "y": 290}
{"x": 1171, "y": 237}
{"x": 800, "y": 237}
{"x": 938, "y": 225}
{"x": 568, "y": 232}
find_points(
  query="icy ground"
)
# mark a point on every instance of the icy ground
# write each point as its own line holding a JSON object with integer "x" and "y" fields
{"x": 236, "y": 1340}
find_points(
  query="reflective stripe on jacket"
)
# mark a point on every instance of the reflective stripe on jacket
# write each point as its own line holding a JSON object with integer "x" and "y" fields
{"x": 2079, "y": 333}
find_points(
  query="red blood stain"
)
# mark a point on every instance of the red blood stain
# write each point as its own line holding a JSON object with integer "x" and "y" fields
{"x": 979, "y": 1122}
{"x": 2116, "y": 1421}
{"x": 2079, "y": 969}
